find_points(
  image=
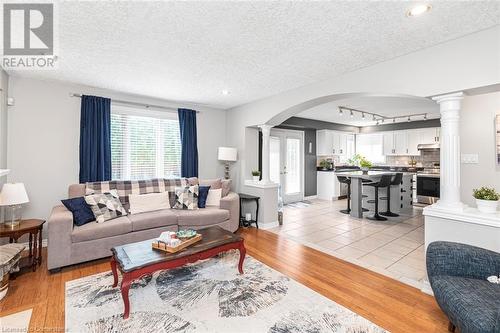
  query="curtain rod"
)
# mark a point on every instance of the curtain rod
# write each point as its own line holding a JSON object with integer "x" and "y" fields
{"x": 147, "y": 106}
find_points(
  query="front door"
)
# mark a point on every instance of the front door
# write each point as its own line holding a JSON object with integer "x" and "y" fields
{"x": 287, "y": 163}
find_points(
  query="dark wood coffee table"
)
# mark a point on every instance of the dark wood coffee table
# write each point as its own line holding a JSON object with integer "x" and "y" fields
{"x": 136, "y": 260}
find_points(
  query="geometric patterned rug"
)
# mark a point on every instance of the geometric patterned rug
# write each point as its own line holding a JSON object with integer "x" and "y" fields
{"x": 208, "y": 296}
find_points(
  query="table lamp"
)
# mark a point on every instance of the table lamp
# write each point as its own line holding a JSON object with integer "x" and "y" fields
{"x": 227, "y": 154}
{"x": 14, "y": 196}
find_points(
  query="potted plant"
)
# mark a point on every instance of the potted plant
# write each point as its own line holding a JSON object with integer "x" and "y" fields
{"x": 256, "y": 175}
{"x": 486, "y": 199}
{"x": 364, "y": 164}
{"x": 323, "y": 164}
{"x": 360, "y": 161}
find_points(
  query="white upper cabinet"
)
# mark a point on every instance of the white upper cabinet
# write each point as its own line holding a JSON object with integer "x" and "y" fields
{"x": 430, "y": 135}
{"x": 405, "y": 143}
{"x": 389, "y": 147}
{"x": 401, "y": 142}
{"x": 332, "y": 143}
{"x": 414, "y": 139}
{"x": 340, "y": 143}
{"x": 324, "y": 142}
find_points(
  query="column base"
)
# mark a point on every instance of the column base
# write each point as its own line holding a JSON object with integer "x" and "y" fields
{"x": 450, "y": 206}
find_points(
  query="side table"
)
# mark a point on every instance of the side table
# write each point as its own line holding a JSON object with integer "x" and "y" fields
{"x": 248, "y": 197}
{"x": 33, "y": 227}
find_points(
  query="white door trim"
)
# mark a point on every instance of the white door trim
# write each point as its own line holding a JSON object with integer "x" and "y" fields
{"x": 281, "y": 132}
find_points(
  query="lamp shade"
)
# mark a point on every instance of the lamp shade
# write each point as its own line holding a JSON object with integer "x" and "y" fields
{"x": 227, "y": 154}
{"x": 13, "y": 194}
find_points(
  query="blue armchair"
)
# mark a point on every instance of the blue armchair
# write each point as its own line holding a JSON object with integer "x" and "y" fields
{"x": 457, "y": 273}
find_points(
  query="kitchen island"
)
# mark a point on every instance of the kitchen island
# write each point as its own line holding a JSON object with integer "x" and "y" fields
{"x": 401, "y": 198}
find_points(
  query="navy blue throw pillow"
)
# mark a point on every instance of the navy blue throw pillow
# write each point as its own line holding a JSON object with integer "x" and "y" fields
{"x": 202, "y": 196}
{"x": 81, "y": 211}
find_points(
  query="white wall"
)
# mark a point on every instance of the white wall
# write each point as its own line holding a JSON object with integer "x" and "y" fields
{"x": 464, "y": 63}
{"x": 477, "y": 130}
{"x": 43, "y": 138}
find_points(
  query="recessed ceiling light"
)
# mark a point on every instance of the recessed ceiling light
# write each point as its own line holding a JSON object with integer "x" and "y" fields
{"x": 225, "y": 92}
{"x": 418, "y": 10}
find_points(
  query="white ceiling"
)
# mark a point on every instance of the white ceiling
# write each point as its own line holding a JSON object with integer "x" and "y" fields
{"x": 191, "y": 51}
{"x": 386, "y": 106}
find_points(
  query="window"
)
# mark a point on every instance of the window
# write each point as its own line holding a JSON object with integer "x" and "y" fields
{"x": 371, "y": 146}
{"x": 144, "y": 145}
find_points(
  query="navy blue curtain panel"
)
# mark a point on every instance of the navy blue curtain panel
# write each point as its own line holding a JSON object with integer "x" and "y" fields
{"x": 95, "y": 139}
{"x": 189, "y": 140}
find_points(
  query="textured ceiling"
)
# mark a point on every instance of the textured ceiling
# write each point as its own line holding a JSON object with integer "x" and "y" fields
{"x": 191, "y": 51}
{"x": 386, "y": 106}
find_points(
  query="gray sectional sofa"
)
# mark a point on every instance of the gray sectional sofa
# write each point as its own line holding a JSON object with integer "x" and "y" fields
{"x": 458, "y": 275}
{"x": 69, "y": 244}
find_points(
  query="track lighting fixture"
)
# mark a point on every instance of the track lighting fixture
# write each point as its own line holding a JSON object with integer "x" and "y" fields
{"x": 379, "y": 119}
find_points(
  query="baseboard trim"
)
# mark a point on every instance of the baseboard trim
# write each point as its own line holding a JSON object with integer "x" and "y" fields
{"x": 269, "y": 225}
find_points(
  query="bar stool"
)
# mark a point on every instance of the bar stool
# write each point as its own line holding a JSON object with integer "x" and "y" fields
{"x": 345, "y": 180}
{"x": 384, "y": 181}
{"x": 398, "y": 178}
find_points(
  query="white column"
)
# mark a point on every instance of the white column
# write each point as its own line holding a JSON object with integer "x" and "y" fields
{"x": 266, "y": 133}
{"x": 450, "y": 150}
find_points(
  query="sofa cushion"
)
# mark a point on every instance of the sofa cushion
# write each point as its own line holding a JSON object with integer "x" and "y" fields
{"x": 473, "y": 305}
{"x": 213, "y": 183}
{"x": 80, "y": 209}
{"x": 186, "y": 197}
{"x": 150, "y": 220}
{"x": 202, "y": 196}
{"x": 94, "y": 230}
{"x": 105, "y": 206}
{"x": 200, "y": 217}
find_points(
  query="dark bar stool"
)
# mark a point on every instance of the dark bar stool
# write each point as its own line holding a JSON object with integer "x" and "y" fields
{"x": 345, "y": 180}
{"x": 398, "y": 178}
{"x": 384, "y": 181}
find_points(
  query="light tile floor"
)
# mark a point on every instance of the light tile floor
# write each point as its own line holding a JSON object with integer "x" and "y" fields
{"x": 394, "y": 248}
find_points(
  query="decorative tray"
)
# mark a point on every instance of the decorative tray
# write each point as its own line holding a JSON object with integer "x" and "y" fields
{"x": 193, "y": 238}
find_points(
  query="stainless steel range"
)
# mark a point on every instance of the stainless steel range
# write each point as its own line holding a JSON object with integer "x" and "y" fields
{"x": 428, "y": 185}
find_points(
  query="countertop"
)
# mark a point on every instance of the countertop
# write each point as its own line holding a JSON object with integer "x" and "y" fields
{"x": 398, "y": 168}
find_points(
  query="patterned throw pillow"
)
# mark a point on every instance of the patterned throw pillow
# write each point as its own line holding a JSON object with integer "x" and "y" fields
{"x": 186, "y": 197}
{"x": 105, "y": 206}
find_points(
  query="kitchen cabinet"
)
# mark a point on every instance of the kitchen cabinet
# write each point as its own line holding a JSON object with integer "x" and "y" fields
{"x": 331, "y": 142}
{"x": 402, "y": 143}
{"x": 431, "y": 135}
{"x": 324, "y": 142}
{"x": 389, "y": 146}
{"x": 329, "y": 187}
{"x": 414, "y": 139}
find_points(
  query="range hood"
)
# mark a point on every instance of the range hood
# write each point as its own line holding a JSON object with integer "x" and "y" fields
{"x": 428, "y": 146}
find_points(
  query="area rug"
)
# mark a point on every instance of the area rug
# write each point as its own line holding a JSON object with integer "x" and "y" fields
{"x": 18, "y": 322}
{"x": 208, "y": 296}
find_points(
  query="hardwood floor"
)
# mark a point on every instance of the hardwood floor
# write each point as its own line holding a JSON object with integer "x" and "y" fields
{"x": 388, "y": 303}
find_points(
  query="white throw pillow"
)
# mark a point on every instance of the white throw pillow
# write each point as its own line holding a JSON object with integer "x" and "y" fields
{"x": 141, "y": 203}
{"x": 213, "y": 198}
